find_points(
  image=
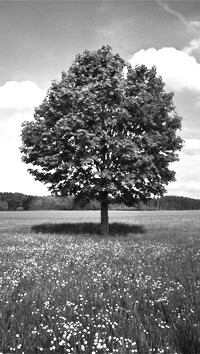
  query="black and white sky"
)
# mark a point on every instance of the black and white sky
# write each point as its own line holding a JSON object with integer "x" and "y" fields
{"x": 40, "y": 39}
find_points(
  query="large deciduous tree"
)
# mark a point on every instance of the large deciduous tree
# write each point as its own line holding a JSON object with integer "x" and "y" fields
{"x": 105, "y": 130}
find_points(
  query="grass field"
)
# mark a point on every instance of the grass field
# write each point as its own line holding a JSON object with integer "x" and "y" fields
{"x": 65, "y": 289}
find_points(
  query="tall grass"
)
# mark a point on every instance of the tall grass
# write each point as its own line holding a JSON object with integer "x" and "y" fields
{"x": 72, "y": 293}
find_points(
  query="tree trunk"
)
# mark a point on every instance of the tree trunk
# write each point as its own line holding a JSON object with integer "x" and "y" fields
{"x": 104, "y": 214}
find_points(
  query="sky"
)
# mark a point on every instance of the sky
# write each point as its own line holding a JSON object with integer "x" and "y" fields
{"x": 40, "y": 39}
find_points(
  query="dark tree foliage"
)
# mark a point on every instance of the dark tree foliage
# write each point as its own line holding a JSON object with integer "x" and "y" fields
{"x": 50, "y": 203}
{"x": 102, "y": 134}
{"x": 26, "y": 202}
{"x": 20, "y": 201}
{"x": 3, "y": 205}
{"x": 178, "y": 203}
{"x": 12, "y": 201}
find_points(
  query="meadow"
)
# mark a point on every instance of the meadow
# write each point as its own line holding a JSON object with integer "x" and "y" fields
{"x": 64, "y": 288}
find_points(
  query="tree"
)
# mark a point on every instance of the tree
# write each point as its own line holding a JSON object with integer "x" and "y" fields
{"x": 13, "y": 200}
{"x": 105, "y": 130}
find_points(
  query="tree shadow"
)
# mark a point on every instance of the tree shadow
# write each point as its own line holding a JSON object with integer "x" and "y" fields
{"x": 115, "y": 229}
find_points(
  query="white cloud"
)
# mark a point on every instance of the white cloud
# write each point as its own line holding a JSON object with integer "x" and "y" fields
{"x": 191, "y": 147}
{"x": 187, "y": 171}
{"x": 11, "y": 127}
{"x": 188, "y": 167}
{"x": 24, "y": 94}
{"x": 14, "y": 176}
{"x": 178, "y": 69}
{"x": 194, "y": 26}
{"x": 189, "y": 189}
{"x": 193, "y": 45}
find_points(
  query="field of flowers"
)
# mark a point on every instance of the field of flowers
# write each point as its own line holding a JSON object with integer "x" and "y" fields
{"x": 82, "y": 293}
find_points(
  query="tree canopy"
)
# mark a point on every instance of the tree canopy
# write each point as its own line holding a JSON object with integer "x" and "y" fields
{"x": 104, "y": 130}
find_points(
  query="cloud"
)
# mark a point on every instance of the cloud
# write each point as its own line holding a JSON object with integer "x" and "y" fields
{"x": 192, "y": 26}
{"x": 187, "y": 171}
{"x": 189, "y": 189}
{"x": 24, "y": 94}
{"x": 14, "y": 176}
{"x": 193, "y": 45}
{"x": 178, "y": 69}
{"x": 10, "y": 129}
{"x": 191, "y": 147}
{"x": 166, "y": 7}
{"x": 17, "y": 100}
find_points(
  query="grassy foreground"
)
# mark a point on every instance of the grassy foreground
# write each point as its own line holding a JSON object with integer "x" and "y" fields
{"x": 133, "y": 292}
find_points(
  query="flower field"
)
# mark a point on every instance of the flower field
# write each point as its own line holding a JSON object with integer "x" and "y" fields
{"x": 82, "y": 293}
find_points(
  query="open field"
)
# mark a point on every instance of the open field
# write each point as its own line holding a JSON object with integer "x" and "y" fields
{"x": 67, "y": 290}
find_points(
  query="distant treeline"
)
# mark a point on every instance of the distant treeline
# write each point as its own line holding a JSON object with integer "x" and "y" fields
{"x": 19, "y": 201}
{"x": 171, "y": 203}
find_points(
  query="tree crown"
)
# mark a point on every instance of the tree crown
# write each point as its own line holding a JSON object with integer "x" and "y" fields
{"x": 105, "y": 126}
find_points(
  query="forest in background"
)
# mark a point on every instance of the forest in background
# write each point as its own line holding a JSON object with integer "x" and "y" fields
{"x": 20, "y": 201}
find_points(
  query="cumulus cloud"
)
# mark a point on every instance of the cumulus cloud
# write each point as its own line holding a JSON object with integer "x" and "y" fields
{"x": 24, "y": 94}
{"x": 193, "y": 45}
{"x": 14, "y": 176}
{"x": 187, "y": 171}
{"x": 191, "y": 147}
{"x": 189, "y": 189}
{"x": 178, "y": 69}
{"x": 17, "y": 100}
{"x": 10, "y": 129}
